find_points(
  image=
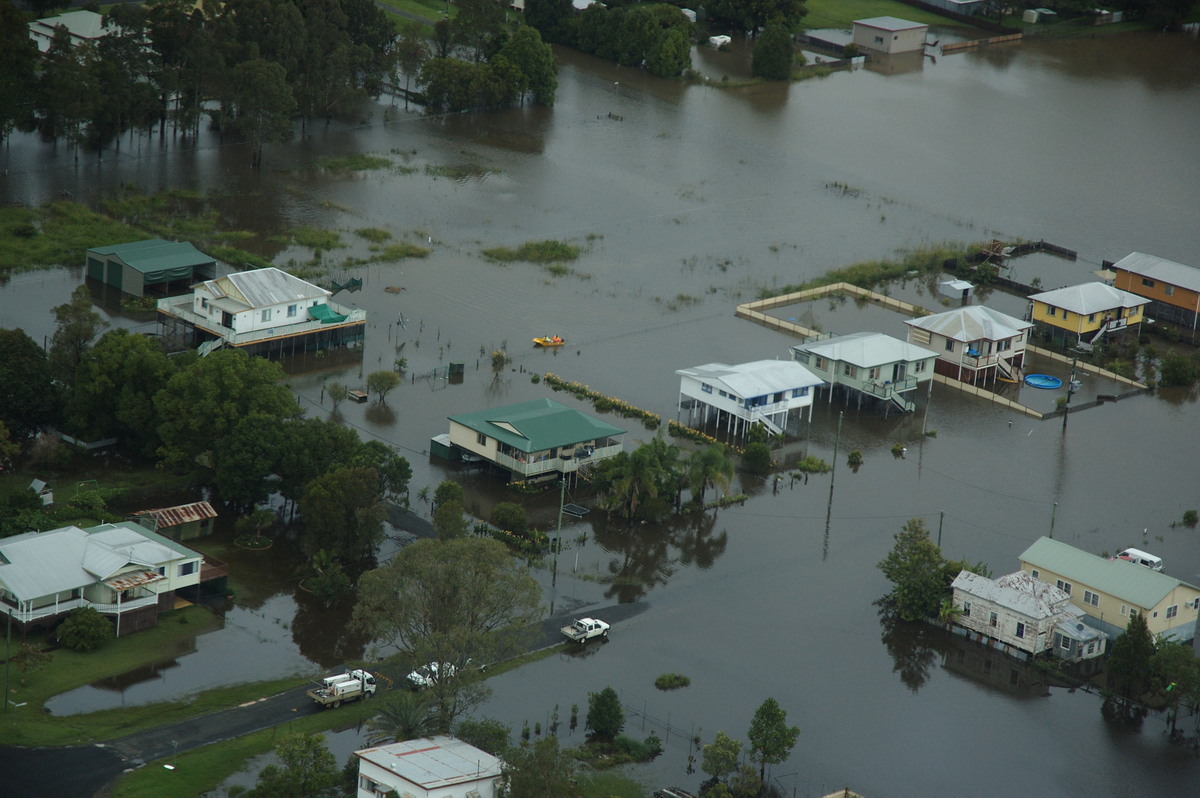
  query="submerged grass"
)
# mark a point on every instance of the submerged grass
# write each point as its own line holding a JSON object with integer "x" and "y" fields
{"x": 534, "y": 252}
{"x": 870, "y": 273}
{"x": 358, "y": 162}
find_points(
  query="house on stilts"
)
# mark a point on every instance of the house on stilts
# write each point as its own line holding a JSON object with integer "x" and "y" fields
{"x": 975, "y": 344}
{"x": 734, "y": 398}
{"x": 869, "y": 365}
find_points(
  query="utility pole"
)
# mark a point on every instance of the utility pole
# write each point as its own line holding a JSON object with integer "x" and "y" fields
{"x": 1070, "y": 390}
{"x": 1053, "y": 512}
{"x": 941, "y": 518}
{"x": 562, "y": 492}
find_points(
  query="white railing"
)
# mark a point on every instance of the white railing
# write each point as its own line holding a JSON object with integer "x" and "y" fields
{"x": 25, "y": 616}
{"x": 567, "y": 463}
{"x": 181, "y": 308}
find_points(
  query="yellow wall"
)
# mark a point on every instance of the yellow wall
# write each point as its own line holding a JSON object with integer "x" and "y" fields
{"x": 1074, "y": 322}
{"x": 1181, "y": 297}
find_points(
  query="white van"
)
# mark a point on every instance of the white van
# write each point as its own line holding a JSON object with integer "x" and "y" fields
{"x": 1141, "y": 558}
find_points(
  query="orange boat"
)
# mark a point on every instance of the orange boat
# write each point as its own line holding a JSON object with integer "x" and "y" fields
{"x": 550, "y": 340}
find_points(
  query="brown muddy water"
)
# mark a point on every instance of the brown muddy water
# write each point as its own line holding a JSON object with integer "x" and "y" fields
{"x": 687, "y": 200}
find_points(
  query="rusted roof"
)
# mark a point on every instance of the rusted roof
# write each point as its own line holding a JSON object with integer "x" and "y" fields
{"x": 133, "y": 579}
{"x": 183, "y": 514}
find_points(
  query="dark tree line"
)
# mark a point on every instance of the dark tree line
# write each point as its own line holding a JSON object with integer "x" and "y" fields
{"x": 657, "y": 37}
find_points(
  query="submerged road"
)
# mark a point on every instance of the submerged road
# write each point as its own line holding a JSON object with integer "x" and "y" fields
{"x": 85, "y": 770}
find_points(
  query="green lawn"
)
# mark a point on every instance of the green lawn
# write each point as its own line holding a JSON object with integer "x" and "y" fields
{"x": 841, "y": 13}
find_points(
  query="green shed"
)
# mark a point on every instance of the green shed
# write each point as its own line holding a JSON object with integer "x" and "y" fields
{"x": 150, "y": 266}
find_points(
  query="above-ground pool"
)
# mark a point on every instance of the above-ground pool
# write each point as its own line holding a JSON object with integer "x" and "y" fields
{"x": 1042, "y": 381}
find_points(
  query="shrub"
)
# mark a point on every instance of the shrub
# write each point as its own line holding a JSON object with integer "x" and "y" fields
{"x": 855, "y": 458}
{"x": 671, "y": 681}
{"x": 636, "y": 750}
{"x": 813, "y": 465}
{"x": 756, "y": 459}
{"x": 84, "y": 629}
{"x": 1190, "y": 518}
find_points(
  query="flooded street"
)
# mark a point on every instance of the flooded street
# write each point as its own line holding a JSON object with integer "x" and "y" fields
{"x": 686, "y": 201}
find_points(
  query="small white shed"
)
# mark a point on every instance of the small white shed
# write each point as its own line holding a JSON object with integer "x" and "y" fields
{"x": 955, "y": 289}
{"x": 889, "y": 35}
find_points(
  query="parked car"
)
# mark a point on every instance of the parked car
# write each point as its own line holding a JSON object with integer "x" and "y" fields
{"x": 585, "y": 629}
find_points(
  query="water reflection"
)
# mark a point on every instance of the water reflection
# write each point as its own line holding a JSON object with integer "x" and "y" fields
{"x": 650, "y": 554}
{"x": 323, "y": 633}
{"x": 914, "y": 647}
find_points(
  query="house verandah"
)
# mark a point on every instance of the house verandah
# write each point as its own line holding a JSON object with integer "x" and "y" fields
{"x": 869, "y": 366}
{"x": 975, "y": 344}
{"x": 734, "y": 398}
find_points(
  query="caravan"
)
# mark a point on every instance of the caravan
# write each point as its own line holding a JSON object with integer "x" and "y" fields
{"x": 1141, "y": 558}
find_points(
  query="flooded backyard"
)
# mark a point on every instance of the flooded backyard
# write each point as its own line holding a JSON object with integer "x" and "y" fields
{"x": 687, "y": 200}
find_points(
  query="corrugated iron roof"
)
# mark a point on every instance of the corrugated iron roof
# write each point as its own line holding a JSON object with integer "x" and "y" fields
{"x": 133, "y": 579}
{"x": 434, "y": 763}
{"x": 156, "y": 254}
{"x": 262, "y": 288}
{"x": 1021, "y": 592}
{"x": 757, "y": 378}
{"x": 1168, "y": 271}
{"x": 866, "y": 350}
{"x": 537, "y": 425}
{"x": 180, "y": 514}
{"x": 972, "y": 323}
{"x": 1088, "y": 298}
{"x": 1131, "y": 582}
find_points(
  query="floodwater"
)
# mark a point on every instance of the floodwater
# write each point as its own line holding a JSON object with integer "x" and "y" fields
{"x": 687, "y": 200}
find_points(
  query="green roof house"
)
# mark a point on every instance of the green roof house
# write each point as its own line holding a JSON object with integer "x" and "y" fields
{"x": 532, "y": 440}
{"x": 1111, "y": 592}
{"x": 149, "y": 266}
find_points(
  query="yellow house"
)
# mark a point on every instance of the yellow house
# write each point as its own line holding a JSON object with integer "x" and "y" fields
{"x": 1083, "y": 314}
{"x": 1111, "y": 592}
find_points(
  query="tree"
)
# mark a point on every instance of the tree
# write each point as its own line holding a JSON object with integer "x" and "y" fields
{"x": 535, "y": 61}
{"x": 773, "y": 54}
{"x": 406, "y": 715}
{"x": 510, "y": 516}
{"x": 670, "y": 55}
{"x": 756, "y": 458}
{"x": 84, "y": 629}
{"x": 10, "y": 449}
{"x": 18, "y": 64}
{"x": 1179, "y": 369}
{"x": 203, "y": 402}
{"x": 27, "y": 392}
{"x": 448, "y": 520}
{"x": 381, "y": 383}
{"x": 393, "y": 469}
{"x": 337, "y": 393}
{"x": 264, "y": 105}
{"x": 552, "y": 19}
{"x": 245, "y": 458}
{"x": 478, "y": 23}
{"x": 342, "y": 514}
{"x": 448, "y": 490}
{"x": 412, "y": 51}
{"x": 486, "y": 734}
{"x": 1175, "y": 675}
{"x": 605, "y": 717}
{"x": 710, "y": 466}
{"x": 751, "y": 15}
{"x": 305, "y": 768}
{"x": 115, "y": 387}
{"x": 450, "y": 601}
{"x": 771, "y": 739}
{"x": 1129, "y": 664}
{"x": 720, "y": 757}
{"x": 77, "y": 326}
{"x": 540, "y": 770}
{"x": 914, "y": 566}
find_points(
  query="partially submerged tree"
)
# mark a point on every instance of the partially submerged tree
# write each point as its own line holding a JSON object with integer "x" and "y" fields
{"x": 450, "y": 601}
{"x": 305, "y": 768}
{"x": 605, "y": 717}
{"x": 381, "y": 383}
{"x": 914, "y": 566}
{"x": 405, "y": 715}
{"x": 540, "y": 770}
{"x": 1129, "y": 663}
{"x": 720, "y": 757}
{"x": 771, "y": 739}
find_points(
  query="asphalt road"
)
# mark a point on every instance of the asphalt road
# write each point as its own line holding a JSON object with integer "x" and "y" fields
{"x": 85, "y": 770}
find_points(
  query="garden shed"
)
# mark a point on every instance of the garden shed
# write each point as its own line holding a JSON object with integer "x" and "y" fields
{"x": 151, "y": 266}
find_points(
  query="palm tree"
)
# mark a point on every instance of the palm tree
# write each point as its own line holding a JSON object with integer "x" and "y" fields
{"x": 406, "y": 715}
{"x": 712, "y": 466}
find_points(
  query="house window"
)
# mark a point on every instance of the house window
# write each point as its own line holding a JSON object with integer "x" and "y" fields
{"x": 873, "y": 373}
{"x": 705, "y": 387}
{"x": 1169, "y": 290}
{"x": 992, "y": 619}
{"x": 1035, "y": 573}
{"x": 161, "y": 570}
{"x": 802, "y": 357}
{"x": 797, "y": 392}
{"x": 1064, "y": 586}
{"x": 1172, "y": 611}
{"x": 1091, "y": 598}
{"x": 1066, "y": 314}
{"x": 1066, "y": 643}
{"x": 966, "y": 609}
{"x": 291, "y": 311}
{"x": 879, "y": 40}
{"x": 1020, "y": 629}
{"x": 1133, "y": 613}
{"x": 481, "y": 439}
{"x": 1091, "y": 648}
{"x": 203, "y": 302}
{"x": 1051, "y": 311}
{"x": 1124, "y": 610}
{"x": 1091, "y": 318}
{"x": 849, "y": 370}
{"x": 1004, "y": 345}
{"x": 188, "y": 568}
{"x": 1146, "y": 281}
{"x": 949, "y": 345}
{"x": 919, "y": 366}
{"x": 821, "y": 363}
{"x": 266, "y": 315}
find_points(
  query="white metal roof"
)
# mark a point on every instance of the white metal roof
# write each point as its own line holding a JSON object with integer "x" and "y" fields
{"x": 1168, "y": 271}
{"x": 866, "y": 349}
{"x": 263, "y": 288}
{"x": 38, "y": 564}
{"x": 757, "y": 378}
{"x": 1128, "y": 581}
{"x": 889, "y": 23}
{"x": 972, "y": 323}
{"x": 434, "y": 763}
{"x": 1020, "y": 592}
{"x": 1087, "y": 298}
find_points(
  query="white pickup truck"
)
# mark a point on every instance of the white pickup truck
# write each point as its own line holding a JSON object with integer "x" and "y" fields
{"x": 585, "y": 629}
{"x": 333, "y": 691}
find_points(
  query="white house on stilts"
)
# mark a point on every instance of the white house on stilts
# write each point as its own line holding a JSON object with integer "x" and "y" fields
{"x": 734, "y": 398}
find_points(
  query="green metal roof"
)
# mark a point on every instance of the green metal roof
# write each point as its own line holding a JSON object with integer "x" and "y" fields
{"x": 1135, "y": 583}
{"x": 538, "y": 425}
{"x": 155, "y": 255}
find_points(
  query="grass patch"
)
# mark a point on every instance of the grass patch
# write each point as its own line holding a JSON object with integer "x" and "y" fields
{"x": 57, "y": 234}
{"x": 602, "y": 784}
{"x": 457, "y": 171}
{"x": 316, "y": 238}
{"x": 813, "y": 465}
{"x": 359, "y": 162}
{"x": 534, "y": 252}
{"x": 842, "y": 13}
{"x": 672, "y": 681}
{"x": 238, "y": 257}
{"x": 394, "y": 252}
{"x": 868, "y": 274}
{"x": 375, "y": 235}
